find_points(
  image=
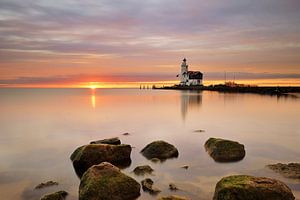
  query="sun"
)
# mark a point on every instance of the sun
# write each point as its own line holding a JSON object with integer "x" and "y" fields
{"x": 93, "y": 87}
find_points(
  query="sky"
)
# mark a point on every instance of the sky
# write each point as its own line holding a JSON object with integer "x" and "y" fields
{"x": 77, "y": 42}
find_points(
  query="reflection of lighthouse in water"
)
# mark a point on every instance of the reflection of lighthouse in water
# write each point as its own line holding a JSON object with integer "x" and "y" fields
{"x": 190, "y": 100}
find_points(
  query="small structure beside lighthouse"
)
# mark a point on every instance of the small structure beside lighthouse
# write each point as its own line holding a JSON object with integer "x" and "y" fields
{"x": 189, "y": 78}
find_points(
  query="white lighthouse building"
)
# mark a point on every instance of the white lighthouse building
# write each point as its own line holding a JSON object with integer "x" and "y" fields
{"x": 189, "y": 78}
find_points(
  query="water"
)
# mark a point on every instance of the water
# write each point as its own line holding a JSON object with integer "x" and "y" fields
{"x": 40, "y": 128}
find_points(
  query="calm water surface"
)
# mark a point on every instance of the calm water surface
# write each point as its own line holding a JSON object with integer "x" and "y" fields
{"x": 40, "y": 128}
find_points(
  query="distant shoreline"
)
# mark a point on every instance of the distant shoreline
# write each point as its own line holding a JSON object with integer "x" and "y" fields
{"x": 271, "y": 90}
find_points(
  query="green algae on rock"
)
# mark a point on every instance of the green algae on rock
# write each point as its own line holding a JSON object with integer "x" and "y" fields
{"x": 224, "y": 150}
{"x": 113, "y": 141}
{"x": 160, "y": 149}
{"x": 291, "y": 170}
{"x": 60, "y": 195}
{"x": 143, "y": 169}
{"x": 106, "y": 182}
{"x": 93, "y": 154}
{"x": 243, "y": 187}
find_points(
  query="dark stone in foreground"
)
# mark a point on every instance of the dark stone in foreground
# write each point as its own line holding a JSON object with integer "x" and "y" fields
{"x": 147, "y": 185}
{"x": 106, "y": 182}
{"x": 173, "y": 197}
{"x": 60, "y": 195}
{"x": 291, "y": 170}
{"x": 224, "y": 150}
{"x": 93, "y": 154}
{"x": 242, "y": 187}
{"x": 114, "y": 141}
{"x": 143, "y": 169}
{"x": 46, "y": 184}
{"x": 160, "y": 149}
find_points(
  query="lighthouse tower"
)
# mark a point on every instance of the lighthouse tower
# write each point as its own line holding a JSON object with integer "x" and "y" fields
{"x": 184, "y": 78}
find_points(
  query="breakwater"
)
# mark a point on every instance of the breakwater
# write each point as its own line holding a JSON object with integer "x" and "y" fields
{"x": 271, "y": 90}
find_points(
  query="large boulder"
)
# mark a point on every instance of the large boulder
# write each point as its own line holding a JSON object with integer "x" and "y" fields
{"x": 242, "y": 187}
{"x": 291, "y": 170}
{"x": 93, "y": 154}
{"x": 60, "y": 195}
{"x": 114, "y": 141}
{"x": 106, "y": 182}
{"x": 224, "y": 150}
{"x": 160, "y": 149}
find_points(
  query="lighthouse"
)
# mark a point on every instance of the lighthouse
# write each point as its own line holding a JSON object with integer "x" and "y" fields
{"x": 189, "y": 78}
{"x": 184, "y": 73}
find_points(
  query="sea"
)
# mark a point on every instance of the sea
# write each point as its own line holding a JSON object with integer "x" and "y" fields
{"x": 40, "y": 128}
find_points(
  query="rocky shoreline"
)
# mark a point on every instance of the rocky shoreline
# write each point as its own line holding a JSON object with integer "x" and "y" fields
{"x": 96, "y": 164}
{"x": 269, "y": 90}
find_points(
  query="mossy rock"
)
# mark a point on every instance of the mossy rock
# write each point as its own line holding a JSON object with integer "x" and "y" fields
{"x": 113, "y": 141}
{"x": 243, "y": 187}
{"x": 60, "y": 195}
{"x": 224, "y": 150}
{"x": 173, "y": 197}
{"x": 106, "y": 182}
{"x": 160, "y": 149}
{"x": 143, "y": 169}
{"x": 291, "y": 170}
{"x": 93, "y": 154}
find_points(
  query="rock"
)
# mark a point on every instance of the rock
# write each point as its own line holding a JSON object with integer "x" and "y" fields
{"x": 93, "y": 154}
{"x": 173, "y": 187}
{"x": 291, "y": 170}
{"x": 199, "y": 131}
{"x": 147, "y": 185}
{"x": 143, "y": 169}
{"x": 125, "y": 134}
{"x": 60, "y": 195}
{"x": 173, "y": 197}
{"x": 159, "y": 149}
{"x": 224, "y": 150}
{"x": 115, "y": 141}
{"x": 242, "y": 187}
{"x": 46, "y": 184}
{"x": 155, "y": 160}
{"x": 185, "y": 167}
{"x": 106, "y": 182}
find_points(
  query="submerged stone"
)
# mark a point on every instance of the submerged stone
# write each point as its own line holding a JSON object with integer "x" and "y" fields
{"x": 46, "y": 184}
{"x": 224, "y": 150}
{"x": 291, "y": 170}
{"x": 173, "y": 197}
{"x": 106, "y": 182}
{"x": 160, "y": 149}
{"x": 173, "y": 187}
{"x": 60, "y": 195}
{"x": 115, "y": 141}
{"x": 143, "y": 169}
{"x": 93, "y": 154}
{"x": 155, "y": 160}
{"x": 243, "y": 187}
{"x": 147, "y": 185}
{"x": 185, "y": 167}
